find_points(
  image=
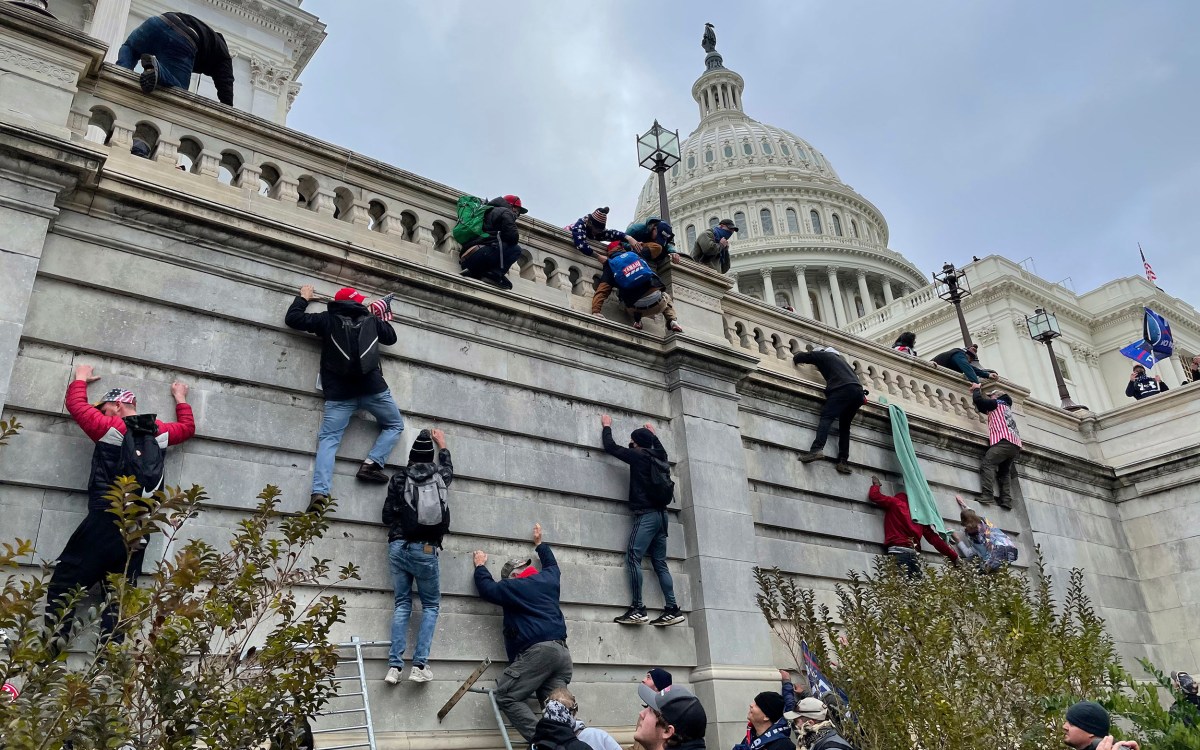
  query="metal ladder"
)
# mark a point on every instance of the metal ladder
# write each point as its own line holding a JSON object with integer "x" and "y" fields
{"x": 468, "y": 686}
{"x": 357, "y": 644}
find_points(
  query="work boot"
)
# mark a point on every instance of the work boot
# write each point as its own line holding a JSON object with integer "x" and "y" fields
{"x": 1005, "y": 502}
{"x": 843, "y": 468}
{"x": 317, "y": 502}
{"x": 372, "y": 472}
{"x": 633, "y": 616}
{"x": 670, "y": 616}
{"x": 149, "y": 77}
{"x": 807, "y": 457}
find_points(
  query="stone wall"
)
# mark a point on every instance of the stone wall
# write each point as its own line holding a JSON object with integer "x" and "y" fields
{"x": 151, "y": 274}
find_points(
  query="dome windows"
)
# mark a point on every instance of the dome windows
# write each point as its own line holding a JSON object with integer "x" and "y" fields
{"x": 690, "y": 233}
{"x": 739, "y": 221}
{"x": 747, "y": 149}
{"x": 837, "y": 225}
{"x": 766, "y": 148}
{"x": 853, "y": 228}
{"x": 675, "y": 170}
{"x": 815, "y": 218}
{"x": 712, "y": 221}
{"x": 800, "y": 152}
{"x": 783, "y": 147}
{"x": 764, "y": 218}
{"x": 728, "y": 151}
{"x": 793, "y": 221}
{"x": 709, "y": 156}
{"x": 691, "y": 161}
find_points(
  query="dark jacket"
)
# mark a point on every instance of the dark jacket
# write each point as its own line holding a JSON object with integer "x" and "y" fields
{"x": 778, "y": 735}
{"x": 212, "y": 54}
{"x": 638, "y": 459}
{"x": 1144, "y": 386}
{"x": 629, "y": 296}
{"x": 531, "y": 611}
{"x": 401, "y": 518}
{"x": 834, "y": 368}
{"x": 335, "y": 386}
{"x": 946, "y": 358}
{"x": 500, "y": 221}
{"x": 109, "y": 435}
{"x": 1180, "y": 710}
{"x": 827, "y": 739}
{"x": 550, "y": 735}
{"x": 1194, "y": 374}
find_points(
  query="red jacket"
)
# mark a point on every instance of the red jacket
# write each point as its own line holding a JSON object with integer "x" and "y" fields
{"x": 899, "y": 530}
{"x": 109, "y": 433}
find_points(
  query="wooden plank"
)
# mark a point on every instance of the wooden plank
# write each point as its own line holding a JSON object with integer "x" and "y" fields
{"x": 462, "y": 690}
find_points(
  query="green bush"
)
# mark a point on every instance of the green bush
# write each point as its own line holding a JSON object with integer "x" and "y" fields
{"x": 177, "y": 677}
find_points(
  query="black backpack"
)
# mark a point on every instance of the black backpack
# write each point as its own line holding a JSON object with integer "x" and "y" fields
{"x": 662, "y": 487}
{"x": 141, "y": 455}
{"x": 356, "y": 341}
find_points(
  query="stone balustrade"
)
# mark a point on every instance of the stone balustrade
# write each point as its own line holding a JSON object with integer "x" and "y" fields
{"x": 926, "y": 296}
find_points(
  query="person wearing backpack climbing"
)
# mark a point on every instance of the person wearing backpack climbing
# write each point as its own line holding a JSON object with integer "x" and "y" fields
{"x": 490, "y": 246}
{"x": 712, "y": 246}
{"x": 657, "y": 231}
{"x": 417, "y": 517}
{"x": 592, "y": 227}
{"x": 127, "y": 444}
{"x": 651, "y": 491}
{"x": 535, "y": 631}
{"x": 844, "y": 396}
{"x": 639, "y": 288}
{"x": 351, "y": 378}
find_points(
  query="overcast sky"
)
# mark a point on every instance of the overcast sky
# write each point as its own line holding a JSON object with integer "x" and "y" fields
{"x": 1064, "y": 131}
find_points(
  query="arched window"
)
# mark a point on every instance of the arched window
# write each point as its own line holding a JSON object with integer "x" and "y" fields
{"x": 728, "y": 151}
{"x": 307, "y": 189}
{"x": 837, "y": 225}
{"x": 709, "y": 156}
{"x": 100, "y": 125}
{"x": 739, "y": 220}
{"x": 793, "y": 221}
{"x": 691, "y": 161}
{"x": 747, "y": 149}
{"x": 145, "y": 139}
{"x": 764, "y": 218}
{"x": 815, "y": 218}
{"x": 801, "y": 152}
{"x": 229, "y": 168}
{"x": 188, "y": 154}
{"x": 268, "y": 176}
{"x": 675, "y": 170}
{"x": 690, "y": 233}
{"x": 784, "y": 148}
{"x": 713, "y": 221}
{"x": 766, "y": 148}
{"x": 853, "y": 228}
{"x": 376, "y": 210}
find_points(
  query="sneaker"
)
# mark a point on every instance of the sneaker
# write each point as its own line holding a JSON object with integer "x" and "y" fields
{"x": 501, "y": 281}
{"x": 394, "y": 674}
{"x": 807, "y": 457}
{"x": 149, "y": 78}
{"x": 671, "y": 616}
{"x": 420, "y": 674}
{"x": 843, "y": 468}
{"x": 633, "y": 616}
{"x": 675, "y": 327}
{"x": 372, "y": 472}
{"x": 316, "y": 501}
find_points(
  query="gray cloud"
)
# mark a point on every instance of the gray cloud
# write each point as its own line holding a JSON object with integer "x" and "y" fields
{"x": 1061, "y": 131}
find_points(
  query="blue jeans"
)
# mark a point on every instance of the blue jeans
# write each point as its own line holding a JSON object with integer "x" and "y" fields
{"x": 410, "y": 562}
{"x": 964, "y": 366}
{"x": 333, "y": 424}
{"x": 175, "y": 53}
{"x": 649, "y": 534}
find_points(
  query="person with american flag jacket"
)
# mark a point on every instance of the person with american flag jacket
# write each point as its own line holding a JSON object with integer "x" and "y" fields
{"x": 592, "y": 227}
{"x": 1004, "y": 445}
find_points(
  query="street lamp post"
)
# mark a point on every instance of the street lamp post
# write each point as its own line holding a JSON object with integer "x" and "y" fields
{"x": 952, "y": 286}
{"x": 1043, "y": 327}
{"x": 658, "y": 151}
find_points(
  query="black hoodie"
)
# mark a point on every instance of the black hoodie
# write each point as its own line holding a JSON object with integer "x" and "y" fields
{"x": 401, "y": 518}
{"x": 638, "y": 459}
{"x": 212, "y": 54}
{"x": 553, "y": 735}
{"x": 338, "y": 387}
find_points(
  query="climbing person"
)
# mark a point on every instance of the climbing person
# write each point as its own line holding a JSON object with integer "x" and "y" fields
{"x": 535, "y": 632}
{"x": 673, "y": 719}
{"x": 638, "y": 286}
{"x": 418, "y": 517}
{"x": 351, "y": 378}
{"x": 813, "y": 727}
{"x": 906, "y": 343}
{"x": 171, "y": 47}
{"x": 765, "y": 726}
{"x": 489, "y": 256}
{"x": 126, "y": 444}
{"x": 593, "y": 227}
{"x": 1143, "y": 386}
{"x": 657, "y": 231}
{"x": 901, "y": 534}
{"x": 712, "y": 246}
{"x": 982, "y": 540}
{"x": 844, "y": 396}
{"x": 650, "y": 493}
{"x": 1004, "y": 445}
{"x": 965, "y": 361}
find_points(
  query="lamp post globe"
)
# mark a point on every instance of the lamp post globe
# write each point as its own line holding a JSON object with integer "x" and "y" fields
{"x": 952, "y": 286}
{"x": 658, "y": 151}
{"x": 1043, "y": 326}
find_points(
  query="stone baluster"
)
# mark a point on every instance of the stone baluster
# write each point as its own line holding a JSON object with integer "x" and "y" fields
{"x": 805, "y": 304}
{"x": 322, "y": 202}
{"x": 247, "y": 179}
{"x": 208, "y": 164}
{"x": 358, "y": 215}
{"x": 78, "y": 121}
{"x": 122, "y": 136}
{"x": 287, "y": 190}
{"x": 166, "y": 152}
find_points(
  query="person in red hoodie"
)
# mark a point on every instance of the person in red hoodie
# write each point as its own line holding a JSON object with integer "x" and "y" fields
{"x": 127, "y": 444}
{"x": 901, "y": 534}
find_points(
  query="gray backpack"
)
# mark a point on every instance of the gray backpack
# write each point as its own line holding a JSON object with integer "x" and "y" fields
{"x": 427, "y": 499}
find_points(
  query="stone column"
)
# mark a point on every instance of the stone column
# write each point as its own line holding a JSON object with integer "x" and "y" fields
{"x": 768, "y": 286}
{"x": 865, "y": 293}
{"x": 888, "y": 297}
{"x": 835, "y": 290}
{"x": 108, "y": 25}
{"x": 802, "y": 292}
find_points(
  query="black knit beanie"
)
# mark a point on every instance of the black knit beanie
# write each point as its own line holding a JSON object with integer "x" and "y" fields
{"x": 1090, "y": 717}
{"x": 771, "y": 704}
{"x": 422, "y": 449}
{"x": 642, "y": 437}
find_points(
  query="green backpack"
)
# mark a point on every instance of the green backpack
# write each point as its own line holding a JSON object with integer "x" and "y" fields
{"x": 469, "y": 229}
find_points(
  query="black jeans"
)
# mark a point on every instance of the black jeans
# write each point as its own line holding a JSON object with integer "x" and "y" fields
{"x": 907, "y": 559}
{"x": 486, "y": 260}
{"x": 840, "y": 404}
{"x": 93, "y": 552}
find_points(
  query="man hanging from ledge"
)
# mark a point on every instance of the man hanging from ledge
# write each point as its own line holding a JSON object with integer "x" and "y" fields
{"x": 641, "y": 290}
{"x": 844, "y": 396}
{"x": 488, "y": 256}
{"x": 171, "y": 47}
{"x": 1004, "y": 445}
{"x": 593, "y": 227}
{"x": 965, "y": 361}
{"x": 535, "y": 632}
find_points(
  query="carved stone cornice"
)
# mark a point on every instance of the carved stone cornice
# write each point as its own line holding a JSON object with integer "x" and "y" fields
{"x": 38, "y": 66}
{"x": 302, "y": 31}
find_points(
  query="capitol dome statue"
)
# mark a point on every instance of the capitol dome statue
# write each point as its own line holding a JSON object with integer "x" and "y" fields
{"x": 806, "y": 240}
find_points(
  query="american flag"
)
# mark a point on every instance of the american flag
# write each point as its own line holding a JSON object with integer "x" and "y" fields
{"x": 1150, "y": 275}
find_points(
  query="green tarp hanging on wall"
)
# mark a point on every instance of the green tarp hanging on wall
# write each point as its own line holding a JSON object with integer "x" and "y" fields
{"x": 920, "y": 500}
